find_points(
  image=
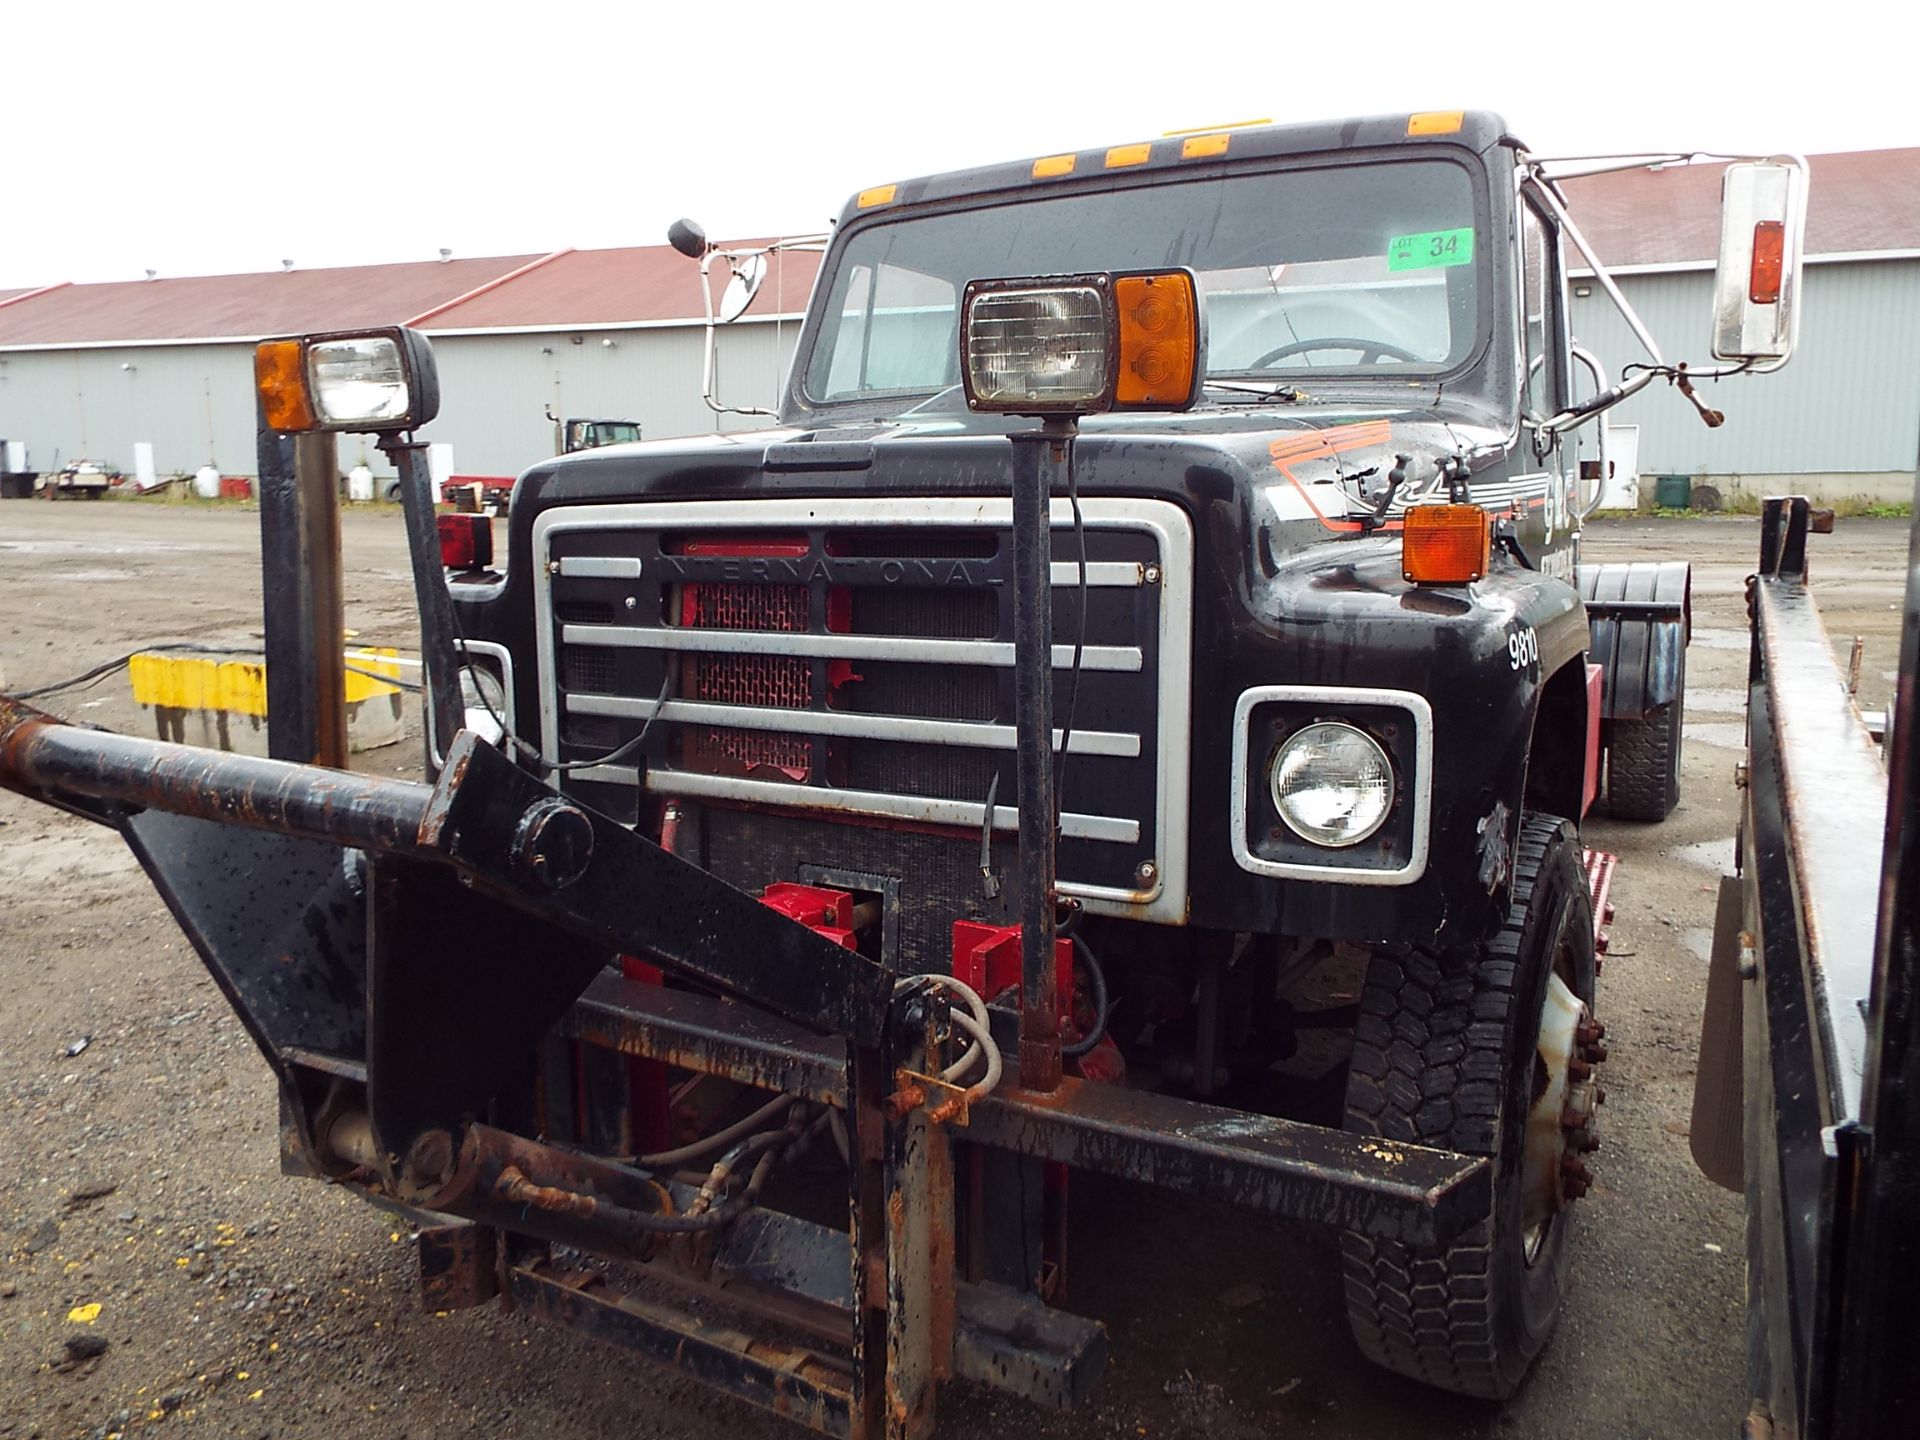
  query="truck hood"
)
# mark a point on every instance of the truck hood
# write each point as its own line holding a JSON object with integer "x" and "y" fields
{"x": 1292, "y": 474}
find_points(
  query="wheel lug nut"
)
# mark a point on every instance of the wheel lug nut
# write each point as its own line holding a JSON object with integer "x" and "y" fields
{"x": 1597, "y": 1053}
{"x": 1574, "y": 1178}
{"x": 1589, "y": 1142}
{"x": 1579, "y": 1069}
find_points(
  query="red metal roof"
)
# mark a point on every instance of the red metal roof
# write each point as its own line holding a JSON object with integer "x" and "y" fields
{"x": 569, "y": 288}
{"x": 584, "y": 288}
{"x": 279, "y": 302}
{"x": 1862, "y": 201}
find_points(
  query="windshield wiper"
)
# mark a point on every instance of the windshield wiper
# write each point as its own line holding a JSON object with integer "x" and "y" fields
{"x": 1255, "y": 393}
{"x": 936, "y": 401}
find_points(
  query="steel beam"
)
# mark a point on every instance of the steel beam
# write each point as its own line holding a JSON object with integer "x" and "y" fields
{"x": 709, "y": 1034}
{"x": 1279, "y": 1167}
{"x": 305, "y": 622}
{"x": 1036, "y": 458}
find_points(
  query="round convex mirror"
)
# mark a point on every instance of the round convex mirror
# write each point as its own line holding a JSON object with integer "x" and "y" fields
{"x": 745, "y": 284}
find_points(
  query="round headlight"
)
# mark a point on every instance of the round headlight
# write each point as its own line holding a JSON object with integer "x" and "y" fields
{"x": 1332, "y": 784}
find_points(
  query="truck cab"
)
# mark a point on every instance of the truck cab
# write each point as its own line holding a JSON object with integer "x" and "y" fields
{"x": 1384, "y": 322}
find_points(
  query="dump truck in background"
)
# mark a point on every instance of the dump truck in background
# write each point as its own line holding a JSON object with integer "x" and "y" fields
{"x": 1154, "y": 631}
{"x": 493, "y": 494}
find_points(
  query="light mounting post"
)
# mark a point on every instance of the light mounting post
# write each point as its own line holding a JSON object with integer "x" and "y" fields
{"x": 1040, "y": 460}
{"x": 1055, "y": 348}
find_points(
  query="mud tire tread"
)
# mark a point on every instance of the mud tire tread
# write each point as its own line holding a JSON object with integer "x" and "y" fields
{"x": 1429, "y": 1066}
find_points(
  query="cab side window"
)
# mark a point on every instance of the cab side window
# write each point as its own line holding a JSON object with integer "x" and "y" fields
{"x": 1540, "y": 286}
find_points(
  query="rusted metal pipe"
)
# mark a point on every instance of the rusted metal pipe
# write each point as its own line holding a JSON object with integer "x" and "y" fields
{"x": 42, "y": 757}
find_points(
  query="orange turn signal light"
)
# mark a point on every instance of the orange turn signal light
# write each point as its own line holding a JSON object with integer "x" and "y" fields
{"x": 280, "y": 375}
{"x": 1769, "y": 262}
{"x": 1445, "y": 544}
{"x": 1159, "y": 333}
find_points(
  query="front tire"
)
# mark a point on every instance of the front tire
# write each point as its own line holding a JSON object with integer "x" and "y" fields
{"x": 1448, "y": 1052}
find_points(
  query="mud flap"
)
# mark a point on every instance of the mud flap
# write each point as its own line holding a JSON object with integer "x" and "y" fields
{"x": 1718, "y": 1111}
{"x": 1640, "y": 616}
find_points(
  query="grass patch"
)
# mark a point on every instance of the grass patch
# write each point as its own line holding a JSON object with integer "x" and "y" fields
{"x": 1738, "y": 506}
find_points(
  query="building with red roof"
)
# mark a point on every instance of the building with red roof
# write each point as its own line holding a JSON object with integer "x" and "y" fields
{"x": 617, "y": 334}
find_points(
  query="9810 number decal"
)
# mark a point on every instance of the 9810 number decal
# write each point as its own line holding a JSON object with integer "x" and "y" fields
{"x": 1523, "y": 648}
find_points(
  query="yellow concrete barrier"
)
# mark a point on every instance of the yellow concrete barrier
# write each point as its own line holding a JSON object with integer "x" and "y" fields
{"x": 222, "y": 704}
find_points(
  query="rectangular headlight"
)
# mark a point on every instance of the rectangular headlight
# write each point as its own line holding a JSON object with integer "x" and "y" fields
{"x": 1081, "y": 344}
{"x": 1039, "y": 346}
{"x": 359, "y": 381}
{"x": 364, "y": 381}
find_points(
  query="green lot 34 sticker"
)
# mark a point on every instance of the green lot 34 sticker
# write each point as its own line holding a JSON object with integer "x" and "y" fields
{"x": 1436, "y": 247}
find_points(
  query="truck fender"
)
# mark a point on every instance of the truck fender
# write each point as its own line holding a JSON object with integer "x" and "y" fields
{"x": 1640, "y": 617}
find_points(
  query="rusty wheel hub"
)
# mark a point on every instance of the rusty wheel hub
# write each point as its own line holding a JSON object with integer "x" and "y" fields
{"x": 1561, "y": 1130}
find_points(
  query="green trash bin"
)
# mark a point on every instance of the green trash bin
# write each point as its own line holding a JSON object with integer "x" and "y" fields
{"x": 1673, "y": 492}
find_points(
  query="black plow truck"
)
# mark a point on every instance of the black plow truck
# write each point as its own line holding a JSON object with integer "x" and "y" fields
{"x": 1151, "y": 635}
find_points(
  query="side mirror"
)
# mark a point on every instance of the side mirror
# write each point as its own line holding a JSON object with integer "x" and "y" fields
{"x": 748, "y": 272}
{"x": 689, "y": 239}
{"x": 1756, "y": 288}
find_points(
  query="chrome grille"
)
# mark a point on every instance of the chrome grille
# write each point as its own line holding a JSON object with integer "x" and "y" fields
{"x": 847, "y": 658}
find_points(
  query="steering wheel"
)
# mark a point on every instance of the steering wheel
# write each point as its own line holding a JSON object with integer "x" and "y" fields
{"x": 1371, "y": 351}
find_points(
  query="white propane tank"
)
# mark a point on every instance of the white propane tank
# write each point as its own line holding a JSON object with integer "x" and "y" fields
{"x": 206, "y": 482}
{"x": 359, "y": 484}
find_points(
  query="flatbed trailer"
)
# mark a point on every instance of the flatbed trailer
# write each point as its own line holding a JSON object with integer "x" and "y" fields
{"x": 1808, "y": 1096}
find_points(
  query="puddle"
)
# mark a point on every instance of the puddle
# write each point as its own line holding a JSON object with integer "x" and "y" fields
{"x": 1723, "y": 734}
{"x": 1715, "y": 855}
{"x": 1720, "y": 639}
{"x": 122, "y": 546}
{"x": 1716, "y": 700}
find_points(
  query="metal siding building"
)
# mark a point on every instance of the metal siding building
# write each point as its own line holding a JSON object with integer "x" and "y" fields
{"x": 1844, "y": 414}
{"x": 193, "y": 403}
{"x": 92, "y": 370}
{"x": 495, "y": 387}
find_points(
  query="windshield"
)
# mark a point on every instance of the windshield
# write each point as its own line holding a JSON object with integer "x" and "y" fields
{"x": 592, "y": 434}
{"x": 1367, "y": 269}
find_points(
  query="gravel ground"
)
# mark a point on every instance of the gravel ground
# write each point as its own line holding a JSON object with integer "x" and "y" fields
{"x": 141, "y": 1208}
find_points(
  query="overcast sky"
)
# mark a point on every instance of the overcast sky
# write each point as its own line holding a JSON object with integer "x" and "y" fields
{"x": 200, "y": 138}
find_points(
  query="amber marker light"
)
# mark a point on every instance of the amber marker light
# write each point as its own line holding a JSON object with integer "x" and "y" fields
{"x": 1769, "y": 262}
{"x": 1159, "y": 325}
{"x": 1445, "y": 544}
{"x": 1436, "y": 122}
{"x": 1201, "y": 147}
{"x": 280, "y": 375}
